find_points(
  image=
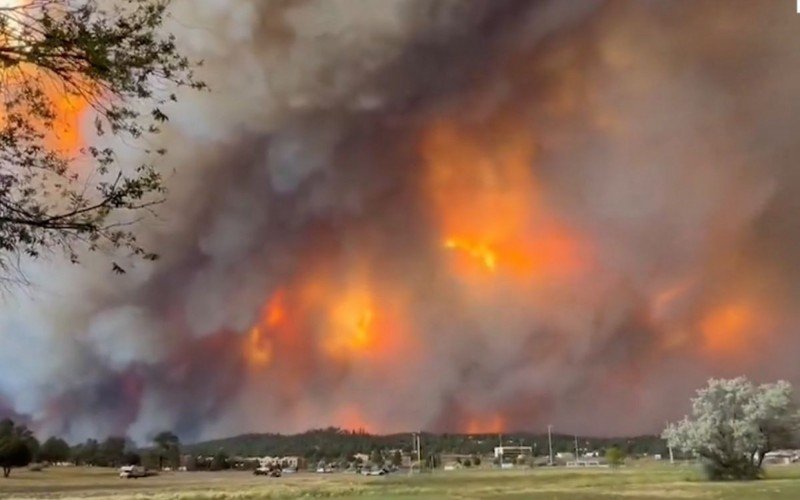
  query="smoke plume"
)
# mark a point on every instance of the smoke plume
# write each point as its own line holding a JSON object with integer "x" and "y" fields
{"x": 452, "y": 215}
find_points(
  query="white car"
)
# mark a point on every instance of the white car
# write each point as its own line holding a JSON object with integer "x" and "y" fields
{"x": 133, "y": 472}
{"x": 374, "y": 472}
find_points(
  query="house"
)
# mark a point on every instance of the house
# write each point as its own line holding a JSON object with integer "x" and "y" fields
{"x": 512, "y": 452}
{"x": 782, "y": 457}
{"x": 290, "y": 462}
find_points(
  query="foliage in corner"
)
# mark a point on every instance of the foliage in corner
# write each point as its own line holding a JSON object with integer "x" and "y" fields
{"x": 114, "y": 61}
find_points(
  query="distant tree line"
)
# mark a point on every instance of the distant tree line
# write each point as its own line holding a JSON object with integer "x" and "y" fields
{"x": 19, "y": 448}
{"x": 334, "y": 443}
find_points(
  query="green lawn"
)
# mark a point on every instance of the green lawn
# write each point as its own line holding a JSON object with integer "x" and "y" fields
{"x": 650, "y": 482}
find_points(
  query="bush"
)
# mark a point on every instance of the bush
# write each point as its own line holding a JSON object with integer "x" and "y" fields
{"x": 615, "y": 456}
{"x": 742, "y": 469}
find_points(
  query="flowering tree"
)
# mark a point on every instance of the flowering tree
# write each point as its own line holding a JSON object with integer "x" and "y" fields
{"x": 734, "y": 424}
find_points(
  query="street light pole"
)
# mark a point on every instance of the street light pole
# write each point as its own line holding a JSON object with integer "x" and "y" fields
{"x": 550, "y": 442}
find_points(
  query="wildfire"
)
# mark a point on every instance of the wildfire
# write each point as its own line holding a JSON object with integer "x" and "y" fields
{"x": 351, "y": 326}
{"x": 258, "y": 347}
{"x": 727, "y": 329}
{"x": 491, "y": 425}
{"x": 66, "y": 132}
{"x": 488, "y": 204}
{"x": 350, "y": 418}
{"x": 480, "y": 252}
{"x": 63, "y": 135}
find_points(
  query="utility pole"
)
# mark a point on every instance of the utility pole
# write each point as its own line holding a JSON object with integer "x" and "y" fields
{"x": 413, "y": 449}
{"x": 500, "y": 443}
{"x": 550, "y": 442}
{"x": 576, "y": 447}
{"x": 419, "y": 451}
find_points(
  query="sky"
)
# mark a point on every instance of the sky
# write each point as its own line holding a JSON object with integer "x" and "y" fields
{"x": 460, "y": 216}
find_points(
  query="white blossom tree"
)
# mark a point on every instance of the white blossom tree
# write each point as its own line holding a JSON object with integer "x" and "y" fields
{"x": 734, "y": 424}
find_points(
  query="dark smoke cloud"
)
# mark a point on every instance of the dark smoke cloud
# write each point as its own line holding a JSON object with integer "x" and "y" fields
{"x": 664, "y": 136}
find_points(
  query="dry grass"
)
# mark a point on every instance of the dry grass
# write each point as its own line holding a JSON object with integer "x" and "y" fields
{"x": 646, "y": 482}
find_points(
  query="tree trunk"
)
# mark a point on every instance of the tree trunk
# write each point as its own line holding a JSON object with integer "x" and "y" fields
{"x": 6, "y": 471}
{"x": 761, "y": 455}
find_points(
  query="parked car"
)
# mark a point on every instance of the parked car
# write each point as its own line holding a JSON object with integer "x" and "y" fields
{"x": 268, "y": 471}
{"x": 374, "y": 471}
{"x": 134, "y": 472}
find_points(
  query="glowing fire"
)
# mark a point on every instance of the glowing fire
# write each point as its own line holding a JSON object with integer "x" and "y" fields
{"x": 489, "y": 206}
{"x": 258, "y": 350}
{"x": 351, "y": 325}
{"x": 63, "y": 135}
{"x": 69, "y": 111}
{"x": 258, "y": 347}
{"x": 491, "y": 425}
{"x": 350, "y": 418}
{"x": 727, "y": 329}
{"x": 481, "y": 252}
{"x": 346, "y": 319}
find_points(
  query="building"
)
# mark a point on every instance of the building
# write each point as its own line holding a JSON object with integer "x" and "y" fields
{"x": 291, "y": 462}
{"x": 513, "y": 451}
{"x": 782, "y": 457}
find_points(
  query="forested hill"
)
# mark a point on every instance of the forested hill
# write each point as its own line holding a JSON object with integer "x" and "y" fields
{"x": 334, "y": 443}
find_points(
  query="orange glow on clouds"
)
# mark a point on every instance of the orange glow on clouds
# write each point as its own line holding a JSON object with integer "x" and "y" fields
{"x": 64, "y": 134}
{"x": 477, "y": 251}
{"x": 491, "y": 425}
{"x": 351, "y": 419}
{"x": 728, "y": 329}
{"x": 344, "y": 320}
{"x": 489, "y": 207}
{"x": 351, "y": 325}
{"x": 258, "y": 347}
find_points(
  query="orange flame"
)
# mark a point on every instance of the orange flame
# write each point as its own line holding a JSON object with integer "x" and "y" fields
{"x": 488, "y": 204}
{"x": 63, "y": 135}
{"x": 351, "y": 326}
{"x": 480, "y": 252}
{"x": 258, "y": 347}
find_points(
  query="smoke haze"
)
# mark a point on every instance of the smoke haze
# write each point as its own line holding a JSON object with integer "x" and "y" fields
{"x": 465, "y": 216}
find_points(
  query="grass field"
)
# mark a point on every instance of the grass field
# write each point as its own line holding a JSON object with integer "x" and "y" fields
{"x": 650, "y": 482}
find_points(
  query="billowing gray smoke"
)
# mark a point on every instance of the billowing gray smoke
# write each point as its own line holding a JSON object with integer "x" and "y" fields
{"x": 452, "y": 215}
